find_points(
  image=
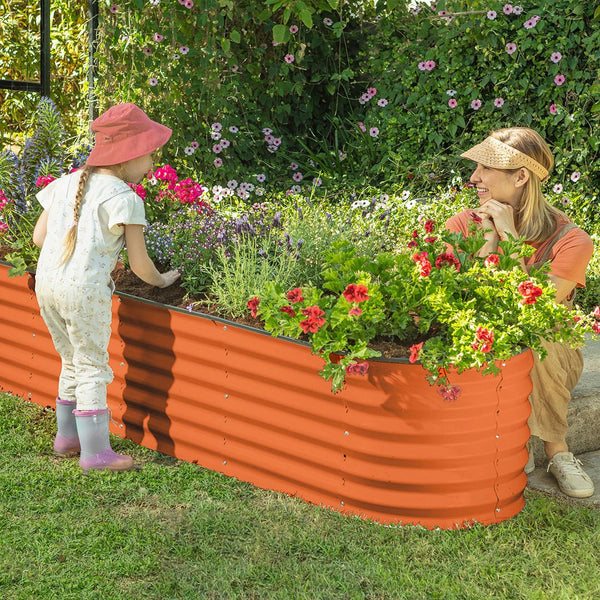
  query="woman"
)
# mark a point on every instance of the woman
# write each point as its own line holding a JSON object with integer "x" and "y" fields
{"x": 512, "y": 163}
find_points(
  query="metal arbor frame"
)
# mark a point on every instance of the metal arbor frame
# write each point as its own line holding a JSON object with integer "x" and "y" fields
{"x": 43, "y": 85}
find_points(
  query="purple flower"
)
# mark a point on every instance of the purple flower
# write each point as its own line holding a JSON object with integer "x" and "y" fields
{"x": 476, "y": 104}
{"x": 452, "y": 103}
{"x": 373, "y": 132}
{"x": 297, "y": 176}
{"x": 261, "y": 177}
{"x": 575, "y": 175}
{"x": 555, "y": 57}
{"x": 507, "y": 9}
{"x": 559, "y": 79}
{"x": 293, "y": 166}
{"x": 491, "y": 15}
{"x": 184, "y": 49}
{"x": 498, "y": 102}
{"x": 289, "y": 58}
{"x": 511, "y": 48}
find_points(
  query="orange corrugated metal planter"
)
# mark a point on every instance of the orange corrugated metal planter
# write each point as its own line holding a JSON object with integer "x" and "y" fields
{"x": 236, "y": 400}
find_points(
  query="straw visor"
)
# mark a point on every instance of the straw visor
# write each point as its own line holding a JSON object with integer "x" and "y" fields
{"x": 125, "y": 132}
{"x": 498, "y": 155}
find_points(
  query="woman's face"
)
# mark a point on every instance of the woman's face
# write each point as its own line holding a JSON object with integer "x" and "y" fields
{"x": 497, "y": 184}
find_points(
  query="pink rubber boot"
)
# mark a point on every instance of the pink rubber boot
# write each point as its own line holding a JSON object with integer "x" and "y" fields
{"x": 96, "y": 453}
{"x": 66, "y": 442}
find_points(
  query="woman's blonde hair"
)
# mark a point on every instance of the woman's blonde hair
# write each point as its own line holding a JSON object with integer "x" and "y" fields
{"x": 536, "y": 218}
{"x": 71, "y": 237}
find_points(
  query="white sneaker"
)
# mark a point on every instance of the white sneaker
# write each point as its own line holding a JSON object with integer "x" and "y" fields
{"x": 571, "y": 478}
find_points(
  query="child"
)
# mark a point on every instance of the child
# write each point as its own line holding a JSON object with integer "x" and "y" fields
{"x": 88, "y": 217}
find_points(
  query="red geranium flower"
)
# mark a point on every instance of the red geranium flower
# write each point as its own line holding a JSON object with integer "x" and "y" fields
{"x": 449, "y": 393}
{"x": 355, "y": 311}
{"x": 314, "y": 321}
{"x": 356, "y": 293}
{"x": 429, "y": 225}
{"x": 484, "y": 339}
{"x": 447, "y": 258}
{"x": 421, "y": 259}
{"x": 491, "y": 260}
{"x": 289, "y": 310}
{"x": 295, "y": 295}
{"x": 414, "y": 352}
{"x": 529, "y": 291}
{"x": 253, "y": 305}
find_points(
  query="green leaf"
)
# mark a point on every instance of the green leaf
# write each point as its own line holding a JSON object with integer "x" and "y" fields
{"x": 306, "y": 18}
{"x": 226, "y": 45}
{"x": 279, "y": 33}
{"x": 235, "y": 36}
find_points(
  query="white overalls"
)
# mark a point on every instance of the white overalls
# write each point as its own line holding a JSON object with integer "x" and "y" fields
{"x": 75, "y": 298}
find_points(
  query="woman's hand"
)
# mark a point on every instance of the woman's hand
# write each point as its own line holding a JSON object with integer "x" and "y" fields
{"x": 502, "y": 217}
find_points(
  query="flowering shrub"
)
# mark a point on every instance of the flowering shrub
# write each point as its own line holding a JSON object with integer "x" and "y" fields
{"x": 452, "y": 308}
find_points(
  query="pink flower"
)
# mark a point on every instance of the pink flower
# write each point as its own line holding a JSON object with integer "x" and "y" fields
{"x": 355, "y": 311}
{"x": 297, "y": 176}
{"x": 218, "y": 162}
{"x": 357, "y": 368}
{"x": 289, "y": 58}
{"x": 293, "y": 166}
{"x": 452, "y": 103}
{"x": 531, "y": 23}
{"x": 188, "y": 4}
{"x": 559, "y": 79}
{"x": 361, "y": 126}
{"x": 510, "y": 48}
{"x": 153, "y": 81}
{"x": 449, "y": 393}
{"x": 327, "y": 22}
{"x": 552, "y": 109}
{"x": 114, "y": 8}
{"x": 158, "y": 37}
{"x": 217, "y": 148}
{"x": 430, "y": 65}
{"x": 216, "y": 126}
{"x": 373, "y": 132}
{"x": 575, "y": 175}
{"x": 517, "y": 10}
{"x": 422, "y": 66}
{"x": 184, "y": 49}
{"x": 507, "y": 9}
{"x": 42, "y": 182}
{"x": 498, "y": 102}
{"x": 415, "y": 349}
{"x": 372, "y": 91}
{"x": 293, "y": 28}
{"x": 147, "y": 51}
{"x": 555, "y": 57}
{"x": 382, "y": 102}
{"x": 476, "y": 104}
{"x": 491, "y": 15}
{"x": 558, "y": 188}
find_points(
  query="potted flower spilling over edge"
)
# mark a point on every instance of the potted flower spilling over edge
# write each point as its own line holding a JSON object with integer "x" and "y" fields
{"x": 453, "y": 308}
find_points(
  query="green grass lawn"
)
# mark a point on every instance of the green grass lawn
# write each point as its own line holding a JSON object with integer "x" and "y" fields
{"x": 173, "y": 530}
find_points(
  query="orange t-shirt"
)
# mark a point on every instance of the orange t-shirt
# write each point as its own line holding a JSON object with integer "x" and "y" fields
{"x": 569, "y": 257}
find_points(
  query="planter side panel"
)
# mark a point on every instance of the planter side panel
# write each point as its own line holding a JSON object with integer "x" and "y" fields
{"x": 412, "y": 457}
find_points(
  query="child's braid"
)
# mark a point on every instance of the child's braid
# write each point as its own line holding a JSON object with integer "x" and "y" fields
{"x": 71, "y": 237}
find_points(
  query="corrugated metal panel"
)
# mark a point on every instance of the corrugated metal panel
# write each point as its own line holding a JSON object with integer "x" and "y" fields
{"x": 238, "y": 401}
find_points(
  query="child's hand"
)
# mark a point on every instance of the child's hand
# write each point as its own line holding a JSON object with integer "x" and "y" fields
{"x": 169, "y": 278}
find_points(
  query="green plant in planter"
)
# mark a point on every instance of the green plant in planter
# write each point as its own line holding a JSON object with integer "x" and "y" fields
{"x": 453, "y": 308}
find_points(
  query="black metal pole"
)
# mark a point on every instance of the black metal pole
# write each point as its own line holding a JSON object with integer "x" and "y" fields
{"x": 45, "y": 47}
{"x": 92, "y": 27}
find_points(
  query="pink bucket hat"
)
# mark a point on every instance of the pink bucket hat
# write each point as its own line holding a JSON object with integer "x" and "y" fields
{"x": 125, "y": 132}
